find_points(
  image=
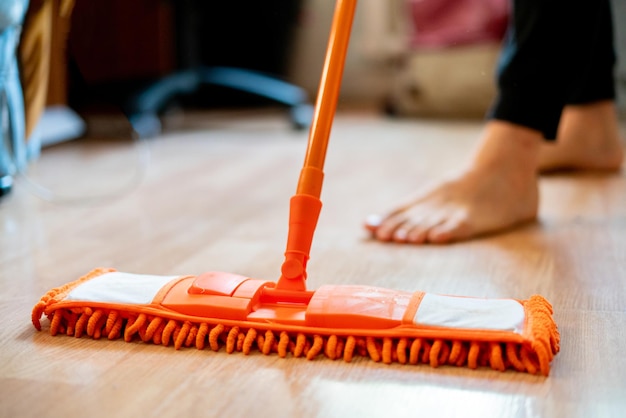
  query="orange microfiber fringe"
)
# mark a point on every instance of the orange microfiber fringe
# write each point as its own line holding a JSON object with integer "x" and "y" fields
{"x": 533, "y": 355}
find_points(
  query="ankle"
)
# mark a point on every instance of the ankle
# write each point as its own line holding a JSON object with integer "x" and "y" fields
{"x": 508, "y": 147}
{"x": 588, "y": 139}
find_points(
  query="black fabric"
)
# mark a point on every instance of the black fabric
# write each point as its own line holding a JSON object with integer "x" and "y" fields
{"x": 556, "y": 52}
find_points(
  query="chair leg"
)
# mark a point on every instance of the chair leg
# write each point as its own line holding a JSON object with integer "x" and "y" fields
{"x": 143, "y": 109}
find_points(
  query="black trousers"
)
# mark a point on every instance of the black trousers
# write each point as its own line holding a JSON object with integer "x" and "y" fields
{"x": 556, "y": 52}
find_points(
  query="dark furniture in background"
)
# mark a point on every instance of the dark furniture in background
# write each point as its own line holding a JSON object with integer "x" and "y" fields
{"x": 143, "y": 55}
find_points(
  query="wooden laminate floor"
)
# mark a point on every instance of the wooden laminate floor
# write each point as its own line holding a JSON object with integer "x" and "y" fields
{"x": 213, "y": 195}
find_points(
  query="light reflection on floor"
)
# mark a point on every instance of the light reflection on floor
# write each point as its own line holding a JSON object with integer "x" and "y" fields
{"x": 387, "y": 399}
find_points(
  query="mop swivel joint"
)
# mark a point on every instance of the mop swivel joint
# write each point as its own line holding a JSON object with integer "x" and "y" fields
{"x": 293, "y": 269}
{"x": 304, "y": 212}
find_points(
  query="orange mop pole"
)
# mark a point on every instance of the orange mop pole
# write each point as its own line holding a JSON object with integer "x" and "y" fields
{"x": 305, "y": 206}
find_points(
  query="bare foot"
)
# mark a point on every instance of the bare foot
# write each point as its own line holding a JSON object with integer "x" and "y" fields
{"x": 497, "y": 191}
{"x": 588, "y": 139}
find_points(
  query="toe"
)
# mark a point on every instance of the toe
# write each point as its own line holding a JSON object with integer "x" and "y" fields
{"x": 372, "y": 222}
{"x": 400, "y": 235}
{"x": 454, "y": 229}
{"x": 423, "y": 222}
{"x": 387, "y": 229}
{"x": 417, "y": 235}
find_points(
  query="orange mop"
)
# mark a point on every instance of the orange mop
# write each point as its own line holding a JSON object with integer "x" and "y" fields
{"x": 234, "y": 313}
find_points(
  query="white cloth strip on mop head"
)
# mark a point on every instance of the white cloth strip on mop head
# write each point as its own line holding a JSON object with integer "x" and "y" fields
{"x": 118, "y": 287}
{"x": 470, "y": 313}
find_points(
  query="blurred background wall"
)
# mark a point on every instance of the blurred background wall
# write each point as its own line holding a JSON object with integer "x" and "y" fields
{"x": 115, "y": 47}
{"x": 379, "y": 55}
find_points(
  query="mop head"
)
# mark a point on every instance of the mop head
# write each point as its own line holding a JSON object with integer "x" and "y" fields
{"x": 224, "y": 311}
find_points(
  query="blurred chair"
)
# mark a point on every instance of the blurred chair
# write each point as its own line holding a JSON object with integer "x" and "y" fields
{"x": 143, "y": 108}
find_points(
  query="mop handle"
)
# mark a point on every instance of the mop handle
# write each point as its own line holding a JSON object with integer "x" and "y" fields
{"x": 305, "y": 205}
{"x": 311, "y": 179}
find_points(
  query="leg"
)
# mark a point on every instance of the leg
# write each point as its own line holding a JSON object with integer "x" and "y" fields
{"x": 498, "y": 188}
{"x": 588, "y": 139}
{"x": 577, "y": 80}
{"x": 588, "y": 135}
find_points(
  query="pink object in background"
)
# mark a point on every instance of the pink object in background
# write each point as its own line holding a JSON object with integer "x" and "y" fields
{"x": 445, "y": 23}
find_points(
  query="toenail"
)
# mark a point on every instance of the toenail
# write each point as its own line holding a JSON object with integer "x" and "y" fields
{"x": 400, "y": 234}
{"x": 374, "y": 220}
